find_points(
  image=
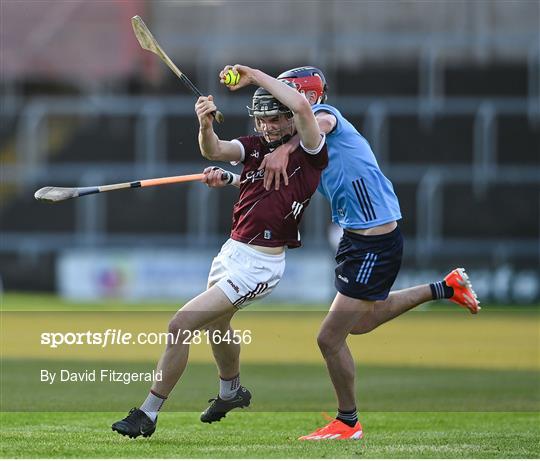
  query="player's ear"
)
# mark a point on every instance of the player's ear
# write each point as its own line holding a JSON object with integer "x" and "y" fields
{"x": 311, "y": 96}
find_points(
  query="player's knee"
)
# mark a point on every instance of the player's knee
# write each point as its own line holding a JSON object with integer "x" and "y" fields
{"x": 174, "y": 326}
{"x": 179, "y": 325}
{"x": 327, "y": 344}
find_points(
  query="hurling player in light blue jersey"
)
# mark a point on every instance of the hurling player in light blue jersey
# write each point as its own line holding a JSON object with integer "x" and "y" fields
{"x": 368, "y": 259}
{"x": 360, "y": 195}
{"x": 369, "y": 255}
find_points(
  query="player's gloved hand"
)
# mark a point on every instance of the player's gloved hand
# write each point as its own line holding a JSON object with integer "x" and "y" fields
{"x": 246, "y": 76}
{"x": 204, "y": 108}
{"x": 216, "y": 177}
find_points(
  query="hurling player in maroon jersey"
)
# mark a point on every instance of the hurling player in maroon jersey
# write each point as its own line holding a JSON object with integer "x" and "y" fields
{"x": 251, "y": 263}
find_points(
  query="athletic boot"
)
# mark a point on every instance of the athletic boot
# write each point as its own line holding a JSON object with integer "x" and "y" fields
{"x": 134, "y": 424}
{"x": 464, "y": 294}
{"x": 219, "y": 407}
{"x": 336, "y": 430}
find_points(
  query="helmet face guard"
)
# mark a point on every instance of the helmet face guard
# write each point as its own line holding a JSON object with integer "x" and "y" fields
{"x": 263, "y": 105}
{"x": 307, "y": 79}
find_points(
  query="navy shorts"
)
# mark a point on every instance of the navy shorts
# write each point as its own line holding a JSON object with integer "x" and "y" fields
{"x": 367, "y": 265}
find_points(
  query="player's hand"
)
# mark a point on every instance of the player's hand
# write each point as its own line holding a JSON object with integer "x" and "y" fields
{"x": 213, "y": 177}
{"x": 204, "y": 108}
{"x": 275, "y": 167}
{"x": 247, "y": 76}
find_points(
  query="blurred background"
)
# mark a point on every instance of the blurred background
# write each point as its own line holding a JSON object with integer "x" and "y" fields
{"x": 446, "y": 92}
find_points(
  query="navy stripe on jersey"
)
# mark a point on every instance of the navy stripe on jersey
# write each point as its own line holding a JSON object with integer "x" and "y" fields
{"x": 368, "y": 199}
{"x": 364, "y": 200}
{"x": 365, "y": 197}
{"x": 360, "y": 202}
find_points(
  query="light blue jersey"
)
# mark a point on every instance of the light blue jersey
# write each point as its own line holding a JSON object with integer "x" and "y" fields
{"x": 359, "y": 194}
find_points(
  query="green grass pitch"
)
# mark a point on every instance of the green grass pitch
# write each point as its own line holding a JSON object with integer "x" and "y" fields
{"x": 448, "y": 403}
{"x": 273, "y": 435}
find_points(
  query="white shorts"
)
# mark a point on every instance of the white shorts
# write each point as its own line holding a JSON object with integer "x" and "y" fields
{"x": 245, "y": 274}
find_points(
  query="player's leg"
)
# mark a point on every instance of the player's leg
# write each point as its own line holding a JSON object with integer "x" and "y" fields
{"x": 197, "y": 313}
{"x": 455, "y": 287}
{"x": 242, "y": 287}
{"x": 344, "y": 313}
{"x": 227, "y": 356}
{"x": 397, "y": 303}
{"x": 205, "y": 308}
{"x": 226, "y": 353}
{"x": 367, "y": 267}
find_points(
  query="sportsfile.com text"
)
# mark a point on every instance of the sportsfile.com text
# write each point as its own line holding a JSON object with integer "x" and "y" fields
{"x": 114, "y": 337}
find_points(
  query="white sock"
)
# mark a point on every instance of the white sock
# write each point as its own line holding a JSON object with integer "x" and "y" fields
{"x": 152, "y": 405}
{"x": 228, "y": 387}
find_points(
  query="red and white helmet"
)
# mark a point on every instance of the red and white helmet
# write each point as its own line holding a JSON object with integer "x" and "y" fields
{"x": 307, "y": 79}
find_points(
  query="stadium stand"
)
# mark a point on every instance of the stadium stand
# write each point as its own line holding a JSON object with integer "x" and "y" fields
{"x": 465, "y": 131}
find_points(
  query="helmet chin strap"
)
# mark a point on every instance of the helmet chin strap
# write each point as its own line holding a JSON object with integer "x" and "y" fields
{"x": 275, "y": 144}
{"x": 278, "y": 142}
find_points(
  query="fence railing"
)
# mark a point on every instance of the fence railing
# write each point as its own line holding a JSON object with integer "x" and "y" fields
{"x": 33, "y": 168}
{"x": 432, "y": 54}
{"x": 151, "y": 111}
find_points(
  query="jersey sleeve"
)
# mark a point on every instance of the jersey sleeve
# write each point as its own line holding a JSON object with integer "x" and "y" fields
{"x": 331, "y": 110}
{"x": 246, "y": 143}
{"x": 318, "y": 157}
{"x": 317, "y": 149}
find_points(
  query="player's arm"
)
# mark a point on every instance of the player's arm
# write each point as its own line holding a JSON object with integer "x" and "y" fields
{"x": 211, "y": 146}
{"x": 326, "y": 121}
{"x": 304, "y": 119}
{"x": 275, "y": 163}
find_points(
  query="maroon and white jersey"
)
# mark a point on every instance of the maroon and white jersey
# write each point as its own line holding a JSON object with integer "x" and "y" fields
{"x": 271, "y": 218}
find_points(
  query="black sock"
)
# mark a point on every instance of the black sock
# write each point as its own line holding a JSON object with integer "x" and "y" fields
{"x": 350, "y": 418}
{"x": 440, "y": 290}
